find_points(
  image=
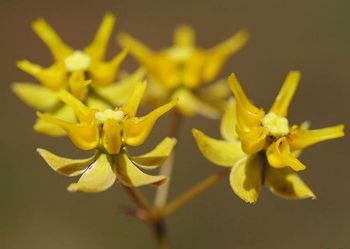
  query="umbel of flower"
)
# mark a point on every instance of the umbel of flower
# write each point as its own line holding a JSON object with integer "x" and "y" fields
{"x": 181, "y": 70}
{"x": 263, "y": 148}
{"x": 109, "y": 133}
{"x": 69, "y": 71}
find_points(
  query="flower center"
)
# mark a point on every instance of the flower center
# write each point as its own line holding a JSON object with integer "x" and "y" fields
{"x": 77, "y": 61}
{"x": 180, "y": 54}
{"x": 103, "y": 116}
{"x": 275, "y": 125}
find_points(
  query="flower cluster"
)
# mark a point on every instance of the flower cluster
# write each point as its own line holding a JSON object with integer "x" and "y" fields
{"x": 83, "y": 96}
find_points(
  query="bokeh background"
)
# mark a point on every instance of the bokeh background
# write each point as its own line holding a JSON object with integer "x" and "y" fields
{"x": 36, "y": 211}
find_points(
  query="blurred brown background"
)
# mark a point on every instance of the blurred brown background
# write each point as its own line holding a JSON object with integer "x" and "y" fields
{"x": 36, "y": 211}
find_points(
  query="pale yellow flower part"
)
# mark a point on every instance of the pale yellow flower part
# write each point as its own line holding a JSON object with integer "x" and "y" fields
{"x": 184, "y": 68}
{"x": 109, "y": 132}
{"x": 271, "y": 132}
{"x": 262, "y": 149}
{"x": 82, "y": 72}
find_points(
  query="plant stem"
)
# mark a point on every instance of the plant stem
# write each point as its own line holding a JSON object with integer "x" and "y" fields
{"x": 144, "y": 211}
{"x": 162, "y": 191}
{"x": 160, "y": 231}
{"x": 192, "y": 192}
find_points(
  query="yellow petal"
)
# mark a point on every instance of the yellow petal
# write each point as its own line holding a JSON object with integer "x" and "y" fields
{"x": 279, "y": 155}
{"x": 98, "y": 177}
{"x": 136, "y": 130}
{"x": 78, "y": 85}
{"x": 97, "y": 49}
{"x": 35, "y": 96}
{"x": 157, "y": 156}
{"x": 189, "y": 105}
{"x": 105, "y": 73}
{"x": 84, "y": 135}
{"x": 65, "y": 113}
{"x": 140, "y": 51}
{"x": 253, "y": 140}
{"x": 117, "y": 93}
{"x": 216, "y": 91}
{"x": 220, "y": 53}
{"x": 46, "y": 33}
{"x": 111, "y": 136}
{"x": 184, "y": 36}
{"x": 229, "y": 122}
{"x": 219, "y": 152}
{"x": 246, "y": 178}
{"x": 65, "y": 166}
{"x": 53, "y": 77}
{"x": 281, "y": 104}
{"x": 84, "y": 113}
{"x": 129, "y": 175}
{"x": 302, "y": 138}
{"x": 287, "y": 184}
{"x": 132, "y": 104}
{"x": 248, "y": 116}
{"x": 93, "y": 102}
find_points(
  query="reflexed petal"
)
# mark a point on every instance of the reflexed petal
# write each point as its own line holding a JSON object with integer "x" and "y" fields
{"x": 84, "y": 135}
{"x": 246, "y": 178}
{"x": 248, "y": 116}
{"x": 111, "y": 136}
{"x": 132, "y": 104}
{"x": 157, "y": 156}
{"x": 129, "y": 175}
{"x": 220, "y": 53}
{"x": 184, "y": 36}
{"x": 279, "y": 156}
{"x": 96, "y": 103}
{"x": 218, "y": 151}
{"x": 82, "y": 111}
{"x": 53, "y": 77}
{"x": 136, "y": 130}
{"x": 117, "y": 93}
{"x": 189, "y": 104}
{"x": 229, "y": 122}
{"x": 97, "y": 49}
{"x": 46, "y": 33}
{"x": 105, "y": 73}
{"x": 65, "y": 166}
{"x": 281, "y": 104}
{"x": 287, "y": 184}
{"x": 65, "y": 113}
{"x": 302, "y": 138}
{"x": 98, "y": 177}
{"x": 35, "y": 96}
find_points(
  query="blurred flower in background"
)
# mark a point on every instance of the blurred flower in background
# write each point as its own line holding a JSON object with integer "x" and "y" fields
{"x": 183, "y": 69}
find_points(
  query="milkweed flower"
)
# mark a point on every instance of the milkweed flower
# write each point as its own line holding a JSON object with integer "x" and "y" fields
{"x": 70, "y": 69}
{"x": 181, "y": 70}
{"x": 109, "y": 133}
{"x": 262, "y": 148}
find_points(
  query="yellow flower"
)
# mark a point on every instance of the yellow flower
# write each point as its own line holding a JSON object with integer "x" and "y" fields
{"x": 263, "y": 148}
{"x": 69, "y": 71}
{"x": 109, "y": 132}
{"x": 179, "y": 71}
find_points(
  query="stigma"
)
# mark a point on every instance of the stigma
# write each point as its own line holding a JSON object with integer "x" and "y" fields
{"x": 275, "y": 125}
{"x": 77, "y": 61}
